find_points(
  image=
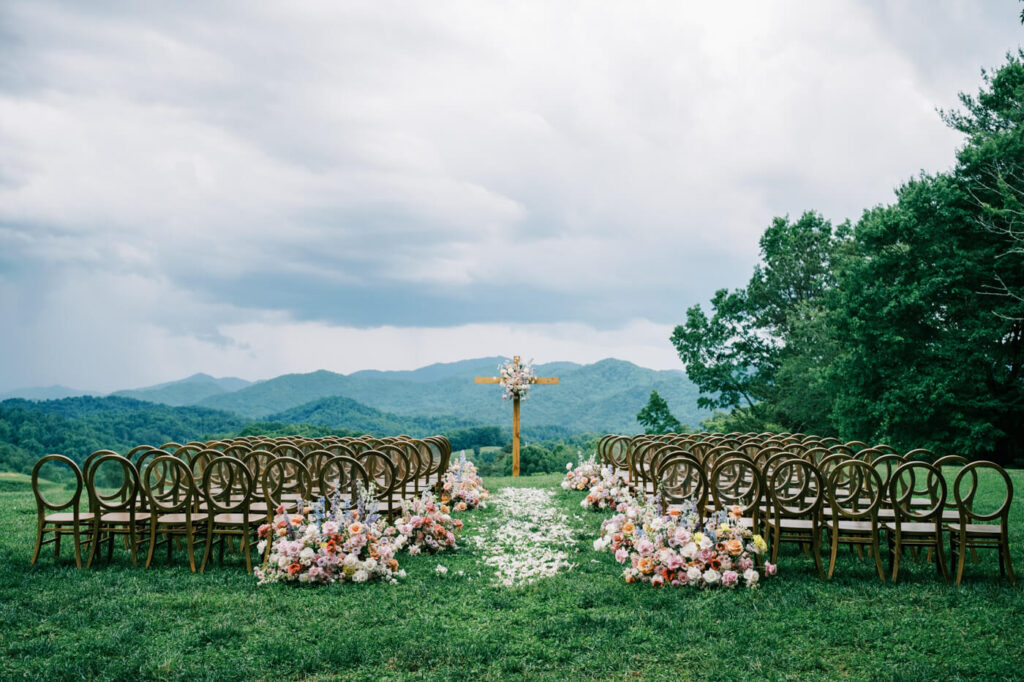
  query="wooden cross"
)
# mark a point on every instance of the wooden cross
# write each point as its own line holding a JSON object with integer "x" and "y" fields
{"x": 515, "y": 412}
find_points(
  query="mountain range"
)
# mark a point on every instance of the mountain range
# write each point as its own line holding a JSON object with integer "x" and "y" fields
{"x": 600, "y": 397}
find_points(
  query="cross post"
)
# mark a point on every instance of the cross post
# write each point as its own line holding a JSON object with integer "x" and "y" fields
{"x": 515, "y": 412}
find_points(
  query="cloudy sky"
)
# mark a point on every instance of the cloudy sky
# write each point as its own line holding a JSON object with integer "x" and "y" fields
{"x": 250, "y": 189}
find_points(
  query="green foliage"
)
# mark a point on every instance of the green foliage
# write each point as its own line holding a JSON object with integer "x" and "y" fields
{"x": 656, "y": 417}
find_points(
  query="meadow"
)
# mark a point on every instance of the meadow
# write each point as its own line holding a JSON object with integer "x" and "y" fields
{"x": 117, "y": 621}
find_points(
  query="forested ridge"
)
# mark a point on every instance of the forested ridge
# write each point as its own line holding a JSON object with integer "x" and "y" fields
{"x": 906, "y": 327}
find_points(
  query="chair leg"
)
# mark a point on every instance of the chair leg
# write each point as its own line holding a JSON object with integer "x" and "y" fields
{"x": 77, "y": 538}
{"x": 878, "y": 556}
{"x": 95, "y": 543}
{"x": 895, "y": 548}
{"x": 1004, "y": 546}
{"x": 56, "y": 543}
{"x": 39, "y": 542}
{"x": 245, "y": 549}
{"x": 940, "y": 560}
{"x": 152, "y": 542}
{"x": 190, "y": 543}
{"x": 816, "y": 551}
{"x": 961, "y": 557}
{"x": 209, "y": 544}
{"x": 835, "y": 550}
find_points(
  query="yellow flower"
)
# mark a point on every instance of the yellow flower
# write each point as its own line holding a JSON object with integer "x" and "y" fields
{"x": 760, "y": 543}
{"x": 724, "y": 528}
{"x": 698, "y": 538}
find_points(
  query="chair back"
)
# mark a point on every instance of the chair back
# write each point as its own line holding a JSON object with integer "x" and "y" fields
{"x": 113, "y": 469}
{"x": 285, "y": 476}
{"x": 854, "y": 490}
{"x": 169, "y": 486}
{"x": 917, "y": 493}
{"x": 795, "y": 489}
{"x": 45, "y": 505}
{"x": 681, "y": 477}
{"x": 228, "y": 486}
{"x": 736, "y": 482}
{"x": 341, "y": 475}
{"x": 998, "y": 487}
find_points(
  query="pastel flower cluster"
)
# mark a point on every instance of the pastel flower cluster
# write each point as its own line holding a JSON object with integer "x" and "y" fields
{"x": 585, "y": 474}
{"x": 610, "y": 492}
{"x": 352, "y": 544}
{"x": 680, "y": 549}
{"x": 516, "y": 378}
{"x": 427, "y": 526}
{"x": 463, "y": 487}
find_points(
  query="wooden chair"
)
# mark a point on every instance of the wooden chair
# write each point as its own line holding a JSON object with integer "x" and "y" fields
{"x": 114, "y": 514}
{"x": 228, "y": 488}
{"x": 680, "y": 477}
{"x": 915, "y": 525}
{"x": 286, "y": 482}
{"x": 796, "y": 491}
{"x": 338, "y": 476}
{"x": 981, "y": 530}
{"x": 60, "y": 518}
{"x": 173, "y": 506}
{"x": 854, "y": 492}
{"x": 383, "y": 474}
{"x": 736, "y": 481}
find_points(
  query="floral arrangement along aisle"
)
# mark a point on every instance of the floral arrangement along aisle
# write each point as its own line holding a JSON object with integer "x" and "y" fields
{"x": 610, "y": 492}
{"x": 427, "y": 526}
{"x": 583, "y": 475}
{"x": 463, "y": 487}
{"x": 516, "y": 378}
{"x": 320, "y": 547}
{"x": 680, "y": 549}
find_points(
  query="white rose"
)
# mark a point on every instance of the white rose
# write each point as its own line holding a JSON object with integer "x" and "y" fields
{"x": 599, "y": 545}
{"x": 283, "y": 561}
{"x": 751, "y": 576}
{"x": 705, "y": 542}
{"x": 689, "y": 551}
{"x": 360, "y": 576}
{"x": 711, "y": 576}
{"x": 306, "y": 556}
{"x": 693, "y": 573}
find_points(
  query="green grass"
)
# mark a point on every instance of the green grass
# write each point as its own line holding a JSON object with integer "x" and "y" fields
{"x": 119, "y": 622}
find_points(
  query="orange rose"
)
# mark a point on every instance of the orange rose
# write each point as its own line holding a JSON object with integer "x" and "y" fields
{"x": 734, "y": 547}
{"x": 645, "y": 565}
{"x": 736, "y": 511}
{"x": 356, "y": 528}
{"x": 393, "y": 565}
{"x": 628, "y": 528}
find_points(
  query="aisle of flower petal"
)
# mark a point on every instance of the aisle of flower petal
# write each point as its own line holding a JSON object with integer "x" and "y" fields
{"x": 528, "y": 538}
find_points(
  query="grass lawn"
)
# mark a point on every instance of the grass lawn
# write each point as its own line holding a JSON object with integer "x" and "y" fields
{"x": 117, "y": 621}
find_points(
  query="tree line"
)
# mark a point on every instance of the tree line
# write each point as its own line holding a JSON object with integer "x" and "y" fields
{"x": 905, "y": 327}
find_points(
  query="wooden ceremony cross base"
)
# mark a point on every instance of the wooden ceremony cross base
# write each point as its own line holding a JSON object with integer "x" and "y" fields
{"x": 515, "y": 412}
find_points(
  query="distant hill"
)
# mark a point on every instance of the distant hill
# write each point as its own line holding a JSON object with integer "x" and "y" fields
{"x": 77, "y": 426}
{"x": 43, "y": 393}
{"x": 187, "y": 391}
{"x": 602, "y": 397}
{"x": 341, "y": 412}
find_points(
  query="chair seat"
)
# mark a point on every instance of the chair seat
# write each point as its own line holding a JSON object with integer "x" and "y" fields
{"x": 180, "y": 518}
{"x": 124, "y": 517}
{"x": 68, "y": 517}
{"x": 794, "y": 524}
{"x": 912, "y": 528}
{"x": 239, "y": 519}
{"x": 988, "y": 529}
{"x": 855, "y": 526}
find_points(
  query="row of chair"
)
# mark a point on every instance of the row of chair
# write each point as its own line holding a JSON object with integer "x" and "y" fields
{"x": 849, "y": 497}
{"x": 205, "y": 495}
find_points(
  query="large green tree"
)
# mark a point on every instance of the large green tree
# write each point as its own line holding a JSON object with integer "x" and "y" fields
{"x": 762, "y": 347}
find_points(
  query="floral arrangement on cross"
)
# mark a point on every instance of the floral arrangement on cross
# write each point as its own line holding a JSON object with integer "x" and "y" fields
{"x": 516, "y": 378}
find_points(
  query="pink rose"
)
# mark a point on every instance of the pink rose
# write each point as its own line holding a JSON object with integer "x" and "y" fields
{"x": 620, "y": 555}
{"x": 729, "y": 578}
{"x": 770, "y": 568}
{"x": 744, "y": 563}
